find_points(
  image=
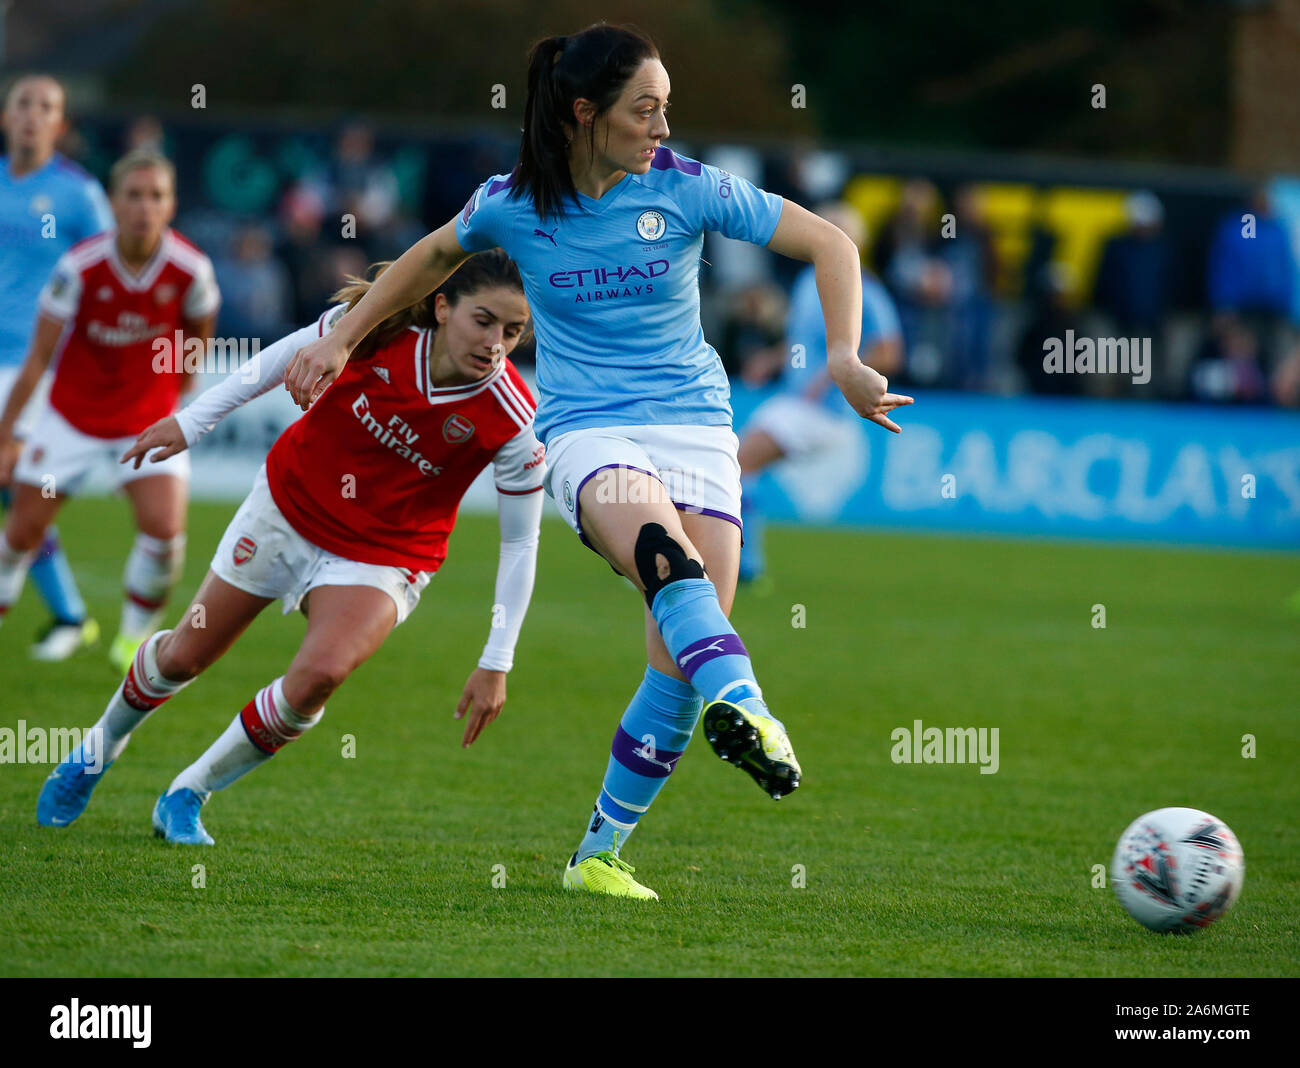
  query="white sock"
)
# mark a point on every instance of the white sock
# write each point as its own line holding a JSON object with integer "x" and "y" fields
{"x": 143, "y": 690}
{"x": 269, "y": 719}
{"x": 152, "y": 568}
{"x": 13, "y": 572}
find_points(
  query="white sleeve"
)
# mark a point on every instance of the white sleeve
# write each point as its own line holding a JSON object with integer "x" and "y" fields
{"x": 520, "y": 463}
{"x": 61, "y": 294}
{"x": 519, "y": 516}
{"x": 260, "y": 375}
{"x": 203, "y": 297}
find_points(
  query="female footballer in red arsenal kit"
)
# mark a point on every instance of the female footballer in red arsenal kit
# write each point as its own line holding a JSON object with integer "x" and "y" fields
{"x": 113, "y": 306}
{"x": 348, "y": 519}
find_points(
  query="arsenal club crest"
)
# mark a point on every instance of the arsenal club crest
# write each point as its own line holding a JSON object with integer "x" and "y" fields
{"x": 245, "y": 548}
{"x": 457, "y": 429}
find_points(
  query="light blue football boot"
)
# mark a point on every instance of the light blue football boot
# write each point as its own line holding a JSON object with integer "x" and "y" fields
{"x": 67, "y": 789}
{"x": 176, "y": 818}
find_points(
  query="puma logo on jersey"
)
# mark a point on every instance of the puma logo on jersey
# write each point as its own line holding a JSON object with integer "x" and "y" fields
{"x": 549, "y": 237}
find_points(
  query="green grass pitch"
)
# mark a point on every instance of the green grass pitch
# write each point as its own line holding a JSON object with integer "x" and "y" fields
{"x": 384, "y": 864}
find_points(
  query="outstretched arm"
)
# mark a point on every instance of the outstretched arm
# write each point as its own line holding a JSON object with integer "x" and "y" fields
{"x": 801, "y": 235}
{"x": 485, "y": 693}
{"x": 415, "y": 274}
{"x": 260, "y": 375}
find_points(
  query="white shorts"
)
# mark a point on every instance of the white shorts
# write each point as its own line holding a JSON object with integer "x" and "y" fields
{"x": 35, "y": 405}
{"x": 696, "y": 464}
{"x": 801, "y": 427}
{"x": 56, "y": 448}
{"x": 261, "y": 554}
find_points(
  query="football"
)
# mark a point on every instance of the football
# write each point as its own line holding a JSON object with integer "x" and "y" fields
{"x": 1177, "y": 869}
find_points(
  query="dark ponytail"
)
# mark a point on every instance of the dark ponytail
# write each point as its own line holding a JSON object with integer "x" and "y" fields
{"x": 594, "y": 64}
{"x": 483, "y": 270}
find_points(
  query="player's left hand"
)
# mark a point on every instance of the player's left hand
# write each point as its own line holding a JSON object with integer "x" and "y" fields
{"x": 485, "y": 694}
{"x": 165, "y": 436}
{"x": 867, "y": 390}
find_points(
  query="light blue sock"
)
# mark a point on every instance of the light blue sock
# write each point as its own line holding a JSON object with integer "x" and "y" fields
{"x": 53, "y": 577}
{"x": 649, "y": 741}
{"x": 707, "y": 649}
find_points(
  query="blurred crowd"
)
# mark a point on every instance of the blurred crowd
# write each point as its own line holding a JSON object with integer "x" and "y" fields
{"x": 962, "y": 327}
{"x": 961, "y": 330}
{"x": 330, "y": 222}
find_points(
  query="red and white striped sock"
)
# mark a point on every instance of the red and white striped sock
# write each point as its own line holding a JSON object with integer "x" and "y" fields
{"x": 254, "y": 736}
{"x": 143, "y": 690}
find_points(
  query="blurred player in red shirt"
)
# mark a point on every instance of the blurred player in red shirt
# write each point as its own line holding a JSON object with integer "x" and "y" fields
{"x": 348, "y": 519}
{"x": 114, "y": 310}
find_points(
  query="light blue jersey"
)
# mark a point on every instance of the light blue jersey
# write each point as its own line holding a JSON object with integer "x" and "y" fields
{"x": 806, "y": 326}
{"x": 615, "y": 295}
{"x": 42, "y": 215}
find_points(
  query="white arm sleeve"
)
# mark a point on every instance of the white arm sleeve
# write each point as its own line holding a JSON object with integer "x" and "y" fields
{"x": 520, "y": 516}
{"x": 260, "y": 375}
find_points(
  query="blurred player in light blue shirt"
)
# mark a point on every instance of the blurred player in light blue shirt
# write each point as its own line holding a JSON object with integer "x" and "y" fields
{"x": 810, "y": 416}
{"x": 47, "y": 205}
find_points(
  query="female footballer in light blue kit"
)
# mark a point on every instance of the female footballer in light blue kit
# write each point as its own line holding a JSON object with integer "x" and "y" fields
{"x": 606, "y": 226}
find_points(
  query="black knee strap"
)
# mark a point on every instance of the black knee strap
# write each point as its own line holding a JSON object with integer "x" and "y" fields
{"x": 653, "y": 542}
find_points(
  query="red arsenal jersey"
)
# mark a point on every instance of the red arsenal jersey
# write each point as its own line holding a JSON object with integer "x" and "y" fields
{"x": 376, "y": 469}
{"x": 106, "y": 382}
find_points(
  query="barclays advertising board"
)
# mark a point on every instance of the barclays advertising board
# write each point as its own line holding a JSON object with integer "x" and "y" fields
{"x": 1055, "y": 466}
{"x": 967, "y": 462}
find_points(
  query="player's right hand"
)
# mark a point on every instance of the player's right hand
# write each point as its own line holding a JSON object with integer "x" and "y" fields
{"x": 165, "y": 436}
{"x": 313, "y": 368}
{"x": 10, "y": 448}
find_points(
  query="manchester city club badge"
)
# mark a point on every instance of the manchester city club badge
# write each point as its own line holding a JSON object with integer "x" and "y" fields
{"x": 650, "y": 225}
